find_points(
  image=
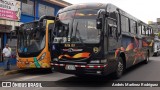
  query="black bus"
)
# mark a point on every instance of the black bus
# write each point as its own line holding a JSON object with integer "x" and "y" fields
{"x": 99, "y": 39}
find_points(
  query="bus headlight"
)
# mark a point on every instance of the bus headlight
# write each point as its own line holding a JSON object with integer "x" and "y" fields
{"x": 55, "y": 59}
{"x": 42, "y": 56}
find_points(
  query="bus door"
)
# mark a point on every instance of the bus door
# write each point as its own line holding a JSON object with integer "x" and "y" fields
{"x": 112, "y": 40}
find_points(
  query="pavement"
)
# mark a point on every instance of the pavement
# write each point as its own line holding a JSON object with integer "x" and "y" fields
{"x": 59, "y": 81}
{"x": 14, "y": 69}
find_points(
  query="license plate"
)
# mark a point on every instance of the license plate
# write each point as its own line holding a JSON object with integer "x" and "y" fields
{"x": 70, "y": 67}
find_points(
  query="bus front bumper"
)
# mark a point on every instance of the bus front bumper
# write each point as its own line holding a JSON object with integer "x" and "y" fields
{"x": 94, "y": 69}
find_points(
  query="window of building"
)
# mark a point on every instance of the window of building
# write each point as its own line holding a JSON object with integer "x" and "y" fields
{"x": 133, "y": 26}
{"x": 27, "y": 7}
{"x": 124, "y": 24}
{"x": 46, "y": 10}
{"x": 49, "y": 11}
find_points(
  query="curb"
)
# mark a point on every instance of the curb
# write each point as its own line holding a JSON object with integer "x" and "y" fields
{"x": 10, "y": 72}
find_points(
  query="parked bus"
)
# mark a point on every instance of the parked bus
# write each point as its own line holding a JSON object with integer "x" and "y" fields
{"x": 156, "y": 44}
{"x": 33, "y": 46}
{"x": 99, "y": 39}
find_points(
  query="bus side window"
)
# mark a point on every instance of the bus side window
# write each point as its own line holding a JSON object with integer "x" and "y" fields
{"x": 143, "y": 30}
{"x": 139, "y": 32}
{"x": 113, "y": 31}
{"x": 110, "y": 31}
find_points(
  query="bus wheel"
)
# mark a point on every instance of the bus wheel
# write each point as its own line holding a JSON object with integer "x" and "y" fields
{"x": 51, "y": 70}
{"x": 147, "y": 59}
{"x": 119, "y": 69}
{"x": 155, "y": 54}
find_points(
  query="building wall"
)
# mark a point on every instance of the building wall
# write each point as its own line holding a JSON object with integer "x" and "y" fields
{"x": 28, "y": 18}
{"x": 155, "y": 25}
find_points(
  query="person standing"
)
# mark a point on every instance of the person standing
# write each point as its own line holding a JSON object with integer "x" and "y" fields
{"x": 6, "y": 56}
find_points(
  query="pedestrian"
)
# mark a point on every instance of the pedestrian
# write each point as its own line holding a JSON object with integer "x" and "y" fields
{"x": 6, "y": 56}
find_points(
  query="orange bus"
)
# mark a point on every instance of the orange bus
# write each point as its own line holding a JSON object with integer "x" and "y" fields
{"x": 33, "y": 49}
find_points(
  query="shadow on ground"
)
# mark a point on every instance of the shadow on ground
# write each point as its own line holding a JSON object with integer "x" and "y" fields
{"x": 92, "y": 81}
{"x": 36, "y": 71}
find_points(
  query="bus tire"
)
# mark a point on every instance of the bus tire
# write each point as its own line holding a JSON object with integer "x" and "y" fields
{"x": 119, "y": 69}
{"x": 156, "y": 54}
{"x": 147, "y": 58}
{"x": 51, "y": 70}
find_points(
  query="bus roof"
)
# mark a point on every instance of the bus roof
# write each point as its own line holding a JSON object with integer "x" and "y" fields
{"x": 101, "y": 6}
{"x": 84, "y": 6}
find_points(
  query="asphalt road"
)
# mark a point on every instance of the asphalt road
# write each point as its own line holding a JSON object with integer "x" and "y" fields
{"x": 59, "y": 81}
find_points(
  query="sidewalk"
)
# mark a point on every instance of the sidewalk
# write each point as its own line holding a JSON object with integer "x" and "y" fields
{"x": 13, "y": 69}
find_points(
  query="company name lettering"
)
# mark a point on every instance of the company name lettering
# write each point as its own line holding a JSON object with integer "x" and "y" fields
{"x": 6, "y": 2}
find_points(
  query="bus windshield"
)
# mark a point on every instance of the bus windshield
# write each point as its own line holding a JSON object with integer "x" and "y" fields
{"x": 31, "y": 38}
{"x": 77, "y": 27}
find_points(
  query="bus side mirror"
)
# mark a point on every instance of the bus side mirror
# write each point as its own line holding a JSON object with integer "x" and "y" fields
{"x": 51, "y": 27}
{"x": 100, "y": 15}
{"x": 99, "y": 23}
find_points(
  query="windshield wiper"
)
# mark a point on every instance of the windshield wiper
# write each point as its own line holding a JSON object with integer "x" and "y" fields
{"x": 77, "y": 31}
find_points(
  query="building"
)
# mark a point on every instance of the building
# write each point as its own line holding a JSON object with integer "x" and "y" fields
{"x": 34, "y": 9}
{"x": 155, "y": 25}
{"x": 22, "y": 11}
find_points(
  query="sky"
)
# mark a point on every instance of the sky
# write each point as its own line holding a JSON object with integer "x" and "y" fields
{"x": 145, "y": 10}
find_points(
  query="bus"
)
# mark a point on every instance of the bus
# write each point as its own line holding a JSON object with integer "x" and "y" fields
{"x": 156, "y": 44}
{"x": 99, "y": 39}
{"x": 33, "y": 45}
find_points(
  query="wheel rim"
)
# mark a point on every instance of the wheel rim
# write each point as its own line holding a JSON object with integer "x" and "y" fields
{"x": 120, "y": 68}
{"x": 147, "y": 57}
{"x": 52, "y": 69}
